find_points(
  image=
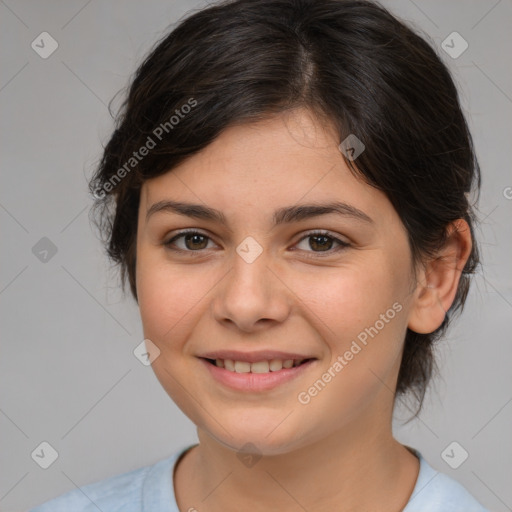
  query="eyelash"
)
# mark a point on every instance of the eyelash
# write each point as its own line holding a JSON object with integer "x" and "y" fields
{"x": 341, "y": 244}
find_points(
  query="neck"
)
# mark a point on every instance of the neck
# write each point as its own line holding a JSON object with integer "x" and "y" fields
{"x": 354, "y": 469}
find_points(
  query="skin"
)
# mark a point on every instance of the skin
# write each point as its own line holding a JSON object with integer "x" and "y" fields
{"x": 336, "y": 451}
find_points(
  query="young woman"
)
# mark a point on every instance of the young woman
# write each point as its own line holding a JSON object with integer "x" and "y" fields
{"x": 287, "y": 195}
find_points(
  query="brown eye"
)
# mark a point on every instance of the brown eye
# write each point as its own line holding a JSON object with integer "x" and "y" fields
{"x": 197, "y": 241}
{"x": 320, "y": 242}
{"x": 189, "y": 241}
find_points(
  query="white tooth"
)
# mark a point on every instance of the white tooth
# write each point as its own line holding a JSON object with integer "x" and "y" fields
{"x": 276, "y": 365}
{"x": 242, "y": 367}
{"x": 229, "y": 365}
{"x": 288, "y": 363}
{"x": 259, "y": 367}
{"x": 219, "y": 363}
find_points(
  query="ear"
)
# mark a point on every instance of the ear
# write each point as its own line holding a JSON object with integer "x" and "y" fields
{"x": 438, "y": 280}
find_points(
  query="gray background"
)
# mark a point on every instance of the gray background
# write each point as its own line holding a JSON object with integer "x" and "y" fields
{"x": 68, "y": 374}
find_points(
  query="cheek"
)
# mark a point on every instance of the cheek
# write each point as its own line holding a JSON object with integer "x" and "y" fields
{"x": 350, "y": 299}
{"x": 170, "y": 299}
{"x": 165, "y": 294}
{"x": 361, "y": 316}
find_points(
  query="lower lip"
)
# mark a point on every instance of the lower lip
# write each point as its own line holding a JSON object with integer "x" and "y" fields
{"x": 255, "y": 381}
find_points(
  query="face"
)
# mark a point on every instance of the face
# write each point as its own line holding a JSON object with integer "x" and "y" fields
{"x": 262, "y": 279}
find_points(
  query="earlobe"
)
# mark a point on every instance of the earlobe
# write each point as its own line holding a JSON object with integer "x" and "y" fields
{"x": 439, "y": 279}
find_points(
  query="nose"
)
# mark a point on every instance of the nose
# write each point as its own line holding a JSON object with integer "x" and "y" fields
{"x": 252, "y": 296}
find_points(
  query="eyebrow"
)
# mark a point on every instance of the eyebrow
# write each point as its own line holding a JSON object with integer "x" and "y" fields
{"x": 283, "y": 215}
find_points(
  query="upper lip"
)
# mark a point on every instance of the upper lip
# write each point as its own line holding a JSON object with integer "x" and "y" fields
{"x": 253, "y": 357}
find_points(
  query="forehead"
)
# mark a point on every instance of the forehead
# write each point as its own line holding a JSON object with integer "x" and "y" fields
{"x": 287, "y": 159}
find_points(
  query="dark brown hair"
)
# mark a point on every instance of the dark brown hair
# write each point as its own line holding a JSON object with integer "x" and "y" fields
{"x": 351, "y": 63}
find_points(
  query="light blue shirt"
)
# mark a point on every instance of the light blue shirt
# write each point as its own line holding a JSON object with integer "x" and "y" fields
{"x": 150, "y": 489}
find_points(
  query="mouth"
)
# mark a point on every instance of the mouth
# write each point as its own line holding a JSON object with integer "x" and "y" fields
{"x": 263, "y": 366}
{"x": 258, "y": 376}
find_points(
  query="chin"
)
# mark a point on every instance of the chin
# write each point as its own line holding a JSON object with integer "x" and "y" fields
{"x": 264, "y": 436}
